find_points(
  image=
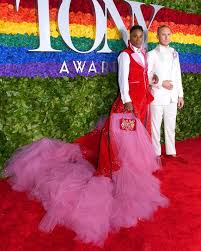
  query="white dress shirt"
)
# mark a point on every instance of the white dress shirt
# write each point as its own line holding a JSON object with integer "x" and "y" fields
{"x": 164, "y": 62}
{"x": 123, "y": 73}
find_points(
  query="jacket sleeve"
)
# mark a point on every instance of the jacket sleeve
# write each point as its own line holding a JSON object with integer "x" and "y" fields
{"x": 123, "y": 73}
{"x": 151, "y": 60}
{"x": 178, "y": 78}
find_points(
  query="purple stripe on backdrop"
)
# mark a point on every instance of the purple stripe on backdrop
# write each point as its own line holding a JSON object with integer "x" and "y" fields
{"x": 192, "y": 68}
{"x": 53, "y": 69}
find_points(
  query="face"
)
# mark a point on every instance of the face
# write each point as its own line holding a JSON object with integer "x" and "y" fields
{"x": 164, "y": 36}
{"x": 136, "y": 38}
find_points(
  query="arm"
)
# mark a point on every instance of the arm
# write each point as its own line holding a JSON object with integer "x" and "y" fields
{"x": 178, "y": 80}
{"x": 151, "y": 59}
{"x": 123, "y": 72}
{"x": 151, "y": 73}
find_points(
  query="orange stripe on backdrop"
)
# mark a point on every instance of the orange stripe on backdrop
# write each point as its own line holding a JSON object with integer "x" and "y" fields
{"x": 9, "y": 14}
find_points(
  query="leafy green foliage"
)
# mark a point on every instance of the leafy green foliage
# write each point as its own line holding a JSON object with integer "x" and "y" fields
{"x": 58, "y": 108}
{"x": 68, "y": 108}
{"x": 190, "y": 6}
{"x": 188, "y": 119}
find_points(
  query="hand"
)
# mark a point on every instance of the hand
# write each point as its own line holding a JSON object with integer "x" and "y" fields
{"x": 155, "y": 79}
{"x": 167, "y": 84}
{"x": 180, "y": 103}
{"x": 129, "y": 107}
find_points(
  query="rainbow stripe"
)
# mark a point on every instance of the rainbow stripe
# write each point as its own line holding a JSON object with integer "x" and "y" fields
{"x": 19, "y": 33}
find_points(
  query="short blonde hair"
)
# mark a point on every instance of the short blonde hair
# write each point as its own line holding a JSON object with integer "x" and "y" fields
{"x": 161, "y": 27}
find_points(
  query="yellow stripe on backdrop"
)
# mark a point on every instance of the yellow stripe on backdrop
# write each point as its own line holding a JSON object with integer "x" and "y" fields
{"x": 77, "y": 30}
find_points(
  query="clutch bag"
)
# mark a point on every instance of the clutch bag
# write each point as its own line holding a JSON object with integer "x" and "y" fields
{"x": 127, "y": 124}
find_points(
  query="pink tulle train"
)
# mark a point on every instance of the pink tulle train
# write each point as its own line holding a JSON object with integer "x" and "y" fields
{"x": 56, "y": 174}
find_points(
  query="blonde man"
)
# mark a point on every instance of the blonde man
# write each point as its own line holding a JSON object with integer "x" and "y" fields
{"x": 167, "y": 91}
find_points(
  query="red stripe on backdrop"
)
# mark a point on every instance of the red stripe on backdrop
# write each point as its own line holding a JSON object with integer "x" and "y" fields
{"x": 85, "y": 6}
{"x": 8, "y": 15}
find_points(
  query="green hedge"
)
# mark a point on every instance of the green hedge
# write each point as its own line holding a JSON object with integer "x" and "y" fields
{"x": 58, "y": 108}
{"x": 190, "y": 6}
{"x": 68, "y": 108}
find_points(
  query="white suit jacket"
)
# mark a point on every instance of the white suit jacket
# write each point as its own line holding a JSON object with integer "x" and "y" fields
{"x": 164, "y": 62}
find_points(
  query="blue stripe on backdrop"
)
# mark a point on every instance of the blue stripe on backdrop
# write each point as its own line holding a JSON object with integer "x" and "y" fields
{"x": 19, "y": 55}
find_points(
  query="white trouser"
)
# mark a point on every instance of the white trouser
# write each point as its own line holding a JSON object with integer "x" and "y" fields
{"x": 168, "y": 113}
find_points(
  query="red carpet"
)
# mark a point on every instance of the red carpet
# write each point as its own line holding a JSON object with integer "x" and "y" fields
{"x": 176, "y": 228}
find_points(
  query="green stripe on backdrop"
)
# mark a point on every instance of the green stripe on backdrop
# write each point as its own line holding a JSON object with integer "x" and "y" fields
{"x": 68, "y": 108}
{"x": 190, "y": 6}
{"x": 81, "y": 43}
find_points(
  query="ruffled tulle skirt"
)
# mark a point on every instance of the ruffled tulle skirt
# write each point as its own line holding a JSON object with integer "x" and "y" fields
{"x": 59, "y": 176}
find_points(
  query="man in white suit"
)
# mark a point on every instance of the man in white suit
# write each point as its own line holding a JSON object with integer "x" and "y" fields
{"x": 167, "y": 91}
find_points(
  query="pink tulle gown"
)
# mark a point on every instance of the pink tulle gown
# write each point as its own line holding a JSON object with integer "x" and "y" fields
{"x": 96, "y": 185}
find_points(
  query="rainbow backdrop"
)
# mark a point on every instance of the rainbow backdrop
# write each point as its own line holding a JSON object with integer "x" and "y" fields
{"x": 19, "y": 33}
